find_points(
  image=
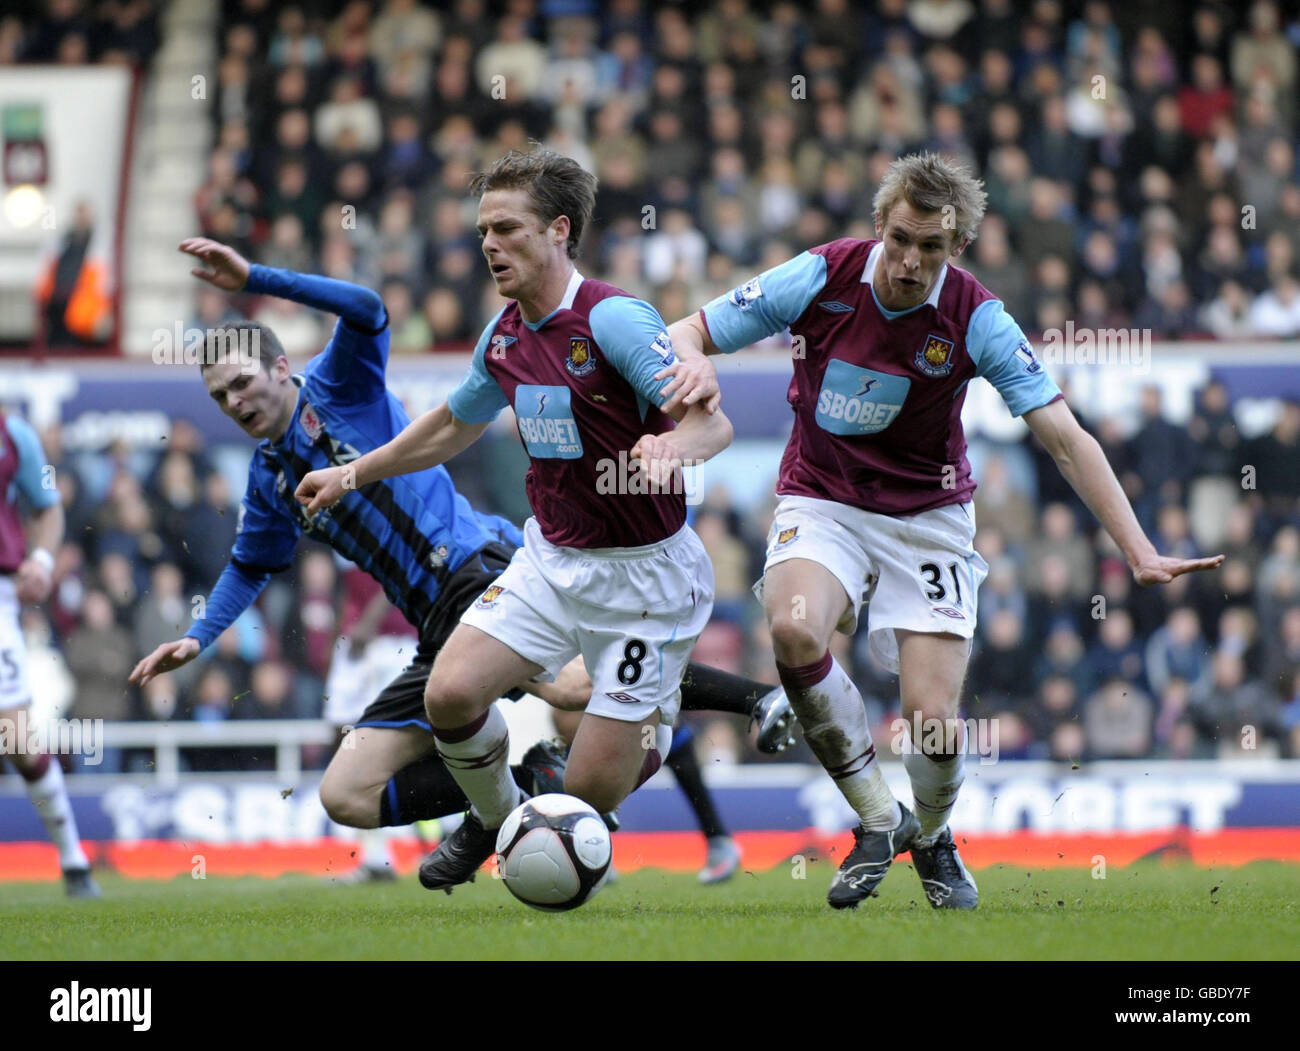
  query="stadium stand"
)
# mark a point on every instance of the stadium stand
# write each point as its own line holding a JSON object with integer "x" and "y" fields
{"x": 727, "y": 136}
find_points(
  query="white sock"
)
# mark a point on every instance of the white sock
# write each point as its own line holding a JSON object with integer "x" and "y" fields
{"x": 935, "y": 783}
{"x": 373, "y": 843}
{"x": 834, "y": 723}
{"x": 478, "y": 763}
{"x": 50, "y": 798}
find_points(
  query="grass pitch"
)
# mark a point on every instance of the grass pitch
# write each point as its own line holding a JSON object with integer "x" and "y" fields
{"x": 1149, "y": 911}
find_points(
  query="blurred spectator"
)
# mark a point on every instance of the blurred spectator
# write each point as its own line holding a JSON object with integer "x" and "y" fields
{"x": 731, "y": 575}
{"x": 163, "y": 613}
{"x": 1228, "y": 314}
{"x": 1272, "y": 458}
{"x": 1177, "y": 651}
{"x": 1058, "y": 537}
{"x": 1162, "y": 456}
{"x": 1277, "y": 312}
{"x": 998, "y": 666}
{"x": 73, "y": 290}
{"x": 1117, "y": 721}
{"x": 100, "y": 654}
{"x": 1235, "y": 708}
{"x": 1116, "y": 654}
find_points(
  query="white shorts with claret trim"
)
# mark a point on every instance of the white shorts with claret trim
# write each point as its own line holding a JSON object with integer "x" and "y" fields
{"x": 633, "y": 613}
{"x": 914, "y": 572}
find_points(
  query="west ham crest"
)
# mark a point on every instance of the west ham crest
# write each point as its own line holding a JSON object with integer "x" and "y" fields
{"x": 935, "y": 358}
{"x": 489, "y": 596}
{"x": 580, "y": 361}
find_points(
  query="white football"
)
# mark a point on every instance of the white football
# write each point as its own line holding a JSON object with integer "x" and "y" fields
{"x": 554, "y": 852}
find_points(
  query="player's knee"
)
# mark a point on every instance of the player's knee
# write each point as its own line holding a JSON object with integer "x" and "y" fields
{"x": 347, "y": 805}
{"x": 449, "y": 703}
{"x": 794, "y": 641}
{"x": 593, "y": 788}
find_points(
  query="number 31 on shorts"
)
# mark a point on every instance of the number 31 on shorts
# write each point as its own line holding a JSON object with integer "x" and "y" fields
{"x": 933, "y": 576}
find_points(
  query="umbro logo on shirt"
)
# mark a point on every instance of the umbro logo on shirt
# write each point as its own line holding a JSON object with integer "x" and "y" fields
{"x": 834, "y": 306}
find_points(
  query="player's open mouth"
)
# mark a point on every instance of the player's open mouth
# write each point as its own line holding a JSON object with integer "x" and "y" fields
{"x": 499, "y": 269}
{"x": 248, "y": 417}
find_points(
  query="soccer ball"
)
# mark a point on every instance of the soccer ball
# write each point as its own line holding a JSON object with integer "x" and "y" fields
{"x": 554, "y": 852}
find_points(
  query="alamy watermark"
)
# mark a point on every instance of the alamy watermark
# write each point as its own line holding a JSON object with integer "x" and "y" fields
{"x": 945, "y": 737}
{"x": 208, "y": 346}
{"x": 626, "y": 476}
{"x": 1125, "y": 347}
{"x": 83, "y": 737}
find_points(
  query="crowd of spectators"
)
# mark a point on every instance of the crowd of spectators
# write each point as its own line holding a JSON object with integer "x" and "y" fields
{"x": 1072, "y": 660}
{"x": 79, "y": 32}
{"x": 1140, "y": 157}
{"x": 1141, "y": 165}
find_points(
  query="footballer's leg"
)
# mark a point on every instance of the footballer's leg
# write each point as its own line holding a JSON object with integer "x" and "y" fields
{"x": 611, "y": 757}
{"x": 361, "y": 788}
{"x": 706, "y": 689}
{"x": 382, "y": 778}
{"x": 472, "y": 670}
{"x": 723, "y": 858}
{"x": 931, "y": 670}
{"x": 804, "y": 601}
{"x": 45, "y": 787}
{"x": 357, "y": 673}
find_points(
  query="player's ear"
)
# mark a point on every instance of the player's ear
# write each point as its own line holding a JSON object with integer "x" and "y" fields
{"x": 879, "y": 220}
{"x": 560, "y": 230}
{"x": 282, "y": 370}
{"x": 960, "y": 246}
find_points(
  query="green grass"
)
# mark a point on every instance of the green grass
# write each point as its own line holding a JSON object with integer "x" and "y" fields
{"x": 1148, "y": 911}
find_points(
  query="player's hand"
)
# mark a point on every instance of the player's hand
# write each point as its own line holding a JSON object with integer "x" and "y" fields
{"x": 223, "y": 266}
{"x": 1161, "y": 569}
{"x": 656, "y": 458}
{"x": 34, "y": 581}
{"x": 693, "y": 380}
{"x": 325, "y": 488}
{"x": 167, "y": 657}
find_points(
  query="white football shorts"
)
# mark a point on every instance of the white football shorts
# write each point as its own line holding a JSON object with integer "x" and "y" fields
{"x": 914, "y": 572}
{"x": 633, "y": 613}
{"x": 14, "y": 688}
{"x": 353, "y": 683}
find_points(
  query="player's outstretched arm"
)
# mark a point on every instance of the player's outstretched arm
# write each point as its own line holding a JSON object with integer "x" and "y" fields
{"x": 699, "y": 436}
{"x": 694, "y": 380}
{"x": 430, "y": 440}
{"x": 229, "y": 271}
{"x": 1081, "y": 461}
{"x": 236, "y": 589}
